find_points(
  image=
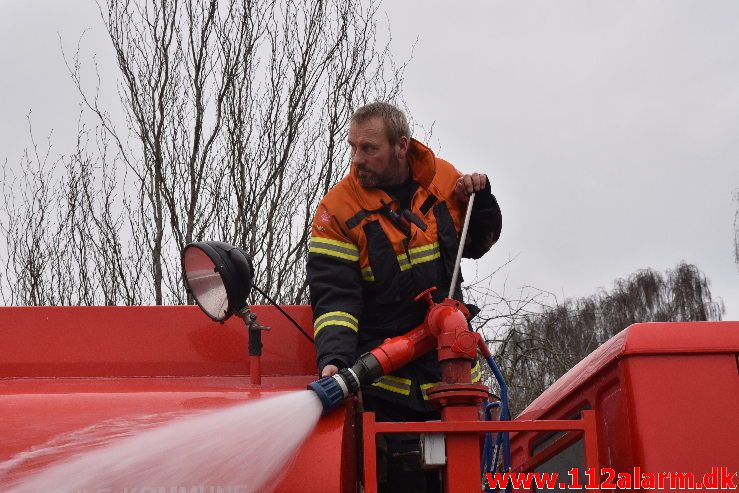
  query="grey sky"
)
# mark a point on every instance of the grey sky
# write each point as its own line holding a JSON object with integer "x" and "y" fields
{"x": 610, "y": 130}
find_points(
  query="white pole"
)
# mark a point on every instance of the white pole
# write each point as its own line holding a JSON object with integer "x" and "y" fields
{"x": 462, "y": 240}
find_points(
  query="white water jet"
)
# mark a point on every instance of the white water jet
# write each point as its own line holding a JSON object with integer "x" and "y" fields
{"x": 243, "y": 448}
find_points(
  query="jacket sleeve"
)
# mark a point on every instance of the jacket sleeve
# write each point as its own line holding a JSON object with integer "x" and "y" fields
{"x": 486, "y": 222}
{"x": 335, "y": 285}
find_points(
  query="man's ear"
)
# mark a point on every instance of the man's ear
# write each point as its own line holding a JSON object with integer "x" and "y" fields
{"x": 402, "y": 148}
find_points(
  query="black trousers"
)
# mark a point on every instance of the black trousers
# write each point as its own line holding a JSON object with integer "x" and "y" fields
{"x": 398, "y": 455}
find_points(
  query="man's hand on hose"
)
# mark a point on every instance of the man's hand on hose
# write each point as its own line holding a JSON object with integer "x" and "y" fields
{"x": 329, "y": 371}
{"x": 467, "y": 184}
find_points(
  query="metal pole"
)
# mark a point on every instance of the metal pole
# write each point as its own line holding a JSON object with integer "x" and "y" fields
{"x": 462, "y": 240}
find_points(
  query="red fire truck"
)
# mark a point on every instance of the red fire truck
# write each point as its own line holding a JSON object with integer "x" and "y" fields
{"x": 657, "y": 398}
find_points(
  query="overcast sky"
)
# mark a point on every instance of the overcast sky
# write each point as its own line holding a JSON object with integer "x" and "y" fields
{"x": 610, "y": 130}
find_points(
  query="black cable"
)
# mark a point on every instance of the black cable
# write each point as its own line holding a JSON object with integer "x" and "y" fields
{"x": 283, "y": 312}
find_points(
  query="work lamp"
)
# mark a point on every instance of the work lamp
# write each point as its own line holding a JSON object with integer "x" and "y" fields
{"x": 219, "y": 277}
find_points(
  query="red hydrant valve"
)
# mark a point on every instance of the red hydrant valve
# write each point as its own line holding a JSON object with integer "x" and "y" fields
{"x": 426, "y": 296}
{"x": 465, "y": 343}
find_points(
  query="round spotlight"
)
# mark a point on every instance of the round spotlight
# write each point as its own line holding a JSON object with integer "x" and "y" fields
{"x": 219, "y": 277}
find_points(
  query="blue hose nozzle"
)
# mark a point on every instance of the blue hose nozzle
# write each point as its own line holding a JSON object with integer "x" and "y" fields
{"x": 330, "y": 391}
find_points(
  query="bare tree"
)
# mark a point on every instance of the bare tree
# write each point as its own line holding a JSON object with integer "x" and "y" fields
{"x": 502, "y": 312}
{"x": 62, "y": 228}
{"x": 235, "y": 113}
{"x": 26, "y": 227}
{"x": 540, "y": 347}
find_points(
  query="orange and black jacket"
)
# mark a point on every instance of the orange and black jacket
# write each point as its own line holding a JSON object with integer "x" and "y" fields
{"x": 368, "y": 259}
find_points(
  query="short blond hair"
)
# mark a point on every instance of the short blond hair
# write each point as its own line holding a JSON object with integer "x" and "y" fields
{"x": 396, "y": 124}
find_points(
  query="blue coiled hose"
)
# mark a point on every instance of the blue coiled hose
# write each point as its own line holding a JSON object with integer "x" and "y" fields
{"x": 502, "y": 441}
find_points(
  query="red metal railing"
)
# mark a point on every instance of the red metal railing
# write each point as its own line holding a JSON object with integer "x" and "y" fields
{"x": 455, "y": 484}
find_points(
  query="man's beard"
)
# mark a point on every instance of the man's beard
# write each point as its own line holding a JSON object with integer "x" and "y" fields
{"x": 393, "y": 175}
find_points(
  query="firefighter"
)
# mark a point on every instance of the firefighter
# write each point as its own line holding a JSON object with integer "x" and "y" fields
{"x": 387, "y": 231}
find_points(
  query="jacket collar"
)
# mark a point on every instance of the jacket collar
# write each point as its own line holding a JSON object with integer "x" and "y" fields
{"x": 423, "y": 168}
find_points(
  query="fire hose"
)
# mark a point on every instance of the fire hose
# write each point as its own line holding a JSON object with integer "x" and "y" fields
{"x": 444, "y": 328}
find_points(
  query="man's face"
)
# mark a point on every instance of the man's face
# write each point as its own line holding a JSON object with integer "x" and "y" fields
{"x": 376, "y": 162}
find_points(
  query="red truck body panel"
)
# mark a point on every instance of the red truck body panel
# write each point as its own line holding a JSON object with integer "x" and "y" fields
{"x": 666, "y": 397}
{"x": 64, "y": 369}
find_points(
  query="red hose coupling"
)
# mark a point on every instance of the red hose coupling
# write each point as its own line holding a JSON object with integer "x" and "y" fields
{"x": 398, "y": 351}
